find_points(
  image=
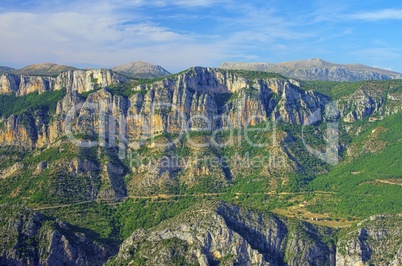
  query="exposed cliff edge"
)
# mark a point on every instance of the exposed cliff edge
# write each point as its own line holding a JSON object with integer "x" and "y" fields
{"x": 375, "y": 241}
{"x": 199, "y": 99}
{"x": 73, "y": 80}
{"x": 29, "y": 238}
{"x": 222, "y": 234}
{"x": 210, "y": 233}
{"x": 318, "y": 69}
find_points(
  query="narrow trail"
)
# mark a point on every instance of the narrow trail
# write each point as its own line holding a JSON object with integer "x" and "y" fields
{"x": 388, "y": 182}
{"x": 161, "y": 197}
{"x": 57, "y": 206}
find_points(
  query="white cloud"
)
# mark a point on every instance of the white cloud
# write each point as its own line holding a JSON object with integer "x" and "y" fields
{"x": 99, "y": 38}
{"x": 176, "y": 34}
{"x": 102, "y": 35}
{"x": 385, "y": 14}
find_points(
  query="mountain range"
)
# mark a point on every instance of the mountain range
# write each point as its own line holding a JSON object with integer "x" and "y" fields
{"x": 141, "y": 70}
{"x": 132, "y": 70}
{"x": 209, "y": 166}
{"x": 318, "y": 69}
{"x": 312, "y": 69}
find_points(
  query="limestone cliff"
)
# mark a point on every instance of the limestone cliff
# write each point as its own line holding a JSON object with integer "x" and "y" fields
{"x": 28, "y": 238}
{"x": 73, "y": 80}
{"x": 199, "y": 99}
{"x": 375, "y": 241}
{"x": 224, "y": 234}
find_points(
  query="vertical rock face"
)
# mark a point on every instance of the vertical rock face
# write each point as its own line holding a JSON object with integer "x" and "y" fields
{"x": 9, "y": 83}
{"x": 376, "y": 241}
{"x": 21, "y": 130}
{"x": 86, "y": 80}
{"x": 35, "y": 84}
{"x": 226, "y": 235}
{"x": 28, "y": 239}
{"x": 210, "y": 99}
{"x": 198, "y": 99}
{"x": 363, "y": 103}
{"x": 74, "y": 80}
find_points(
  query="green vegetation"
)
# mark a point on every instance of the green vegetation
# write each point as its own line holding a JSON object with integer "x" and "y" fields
{"x": 145, "y": 214}
{"x": 251, "y": 75}
{"x": 336, "y": 89}
{"x": 113, "y": 223}
{"x": 358, "y": 193}
{"x": 95, "y": 220}
{"x": 126, "y": 89}
{"x": 366, "y": 182}
{"x": 47, "y": 101}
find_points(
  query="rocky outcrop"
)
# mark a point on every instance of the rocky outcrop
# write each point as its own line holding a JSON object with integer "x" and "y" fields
{"x": 22, "y": 130}
{"x": 87, "y": 80}
{"x": 199, "y": 99}
{"x": 10, "y": 171}
{"x": 369, "y": 101}
{"x": 227, "y": 235}
{"x": 9, "y": 83}
{"x": 361, "y": 104}
{"x": 375, "y": 241}
{"x": 28, "y": 238}
{"x": 223, "y": 234}
{"x": 113, "y": 187}
{"x": 73, "y": 80}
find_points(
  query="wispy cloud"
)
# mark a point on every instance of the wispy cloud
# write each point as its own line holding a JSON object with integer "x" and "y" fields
{"x": 379, "y": 54}
{"x": 99, "y": 37}
{"x": 103, "y": 35}
{"x": 183, "y": 33}
{"x": 385, "y": 14}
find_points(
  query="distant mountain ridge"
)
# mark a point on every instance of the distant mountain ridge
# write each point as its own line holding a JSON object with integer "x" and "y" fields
{"x": 141, "y": 70}
{"x": 43, "y": 69}
{"x": 5, "y": 69}
{"x": 317, "y": 69}
{"x": 133, "y": 70}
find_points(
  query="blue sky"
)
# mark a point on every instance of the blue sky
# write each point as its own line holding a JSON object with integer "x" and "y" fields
{"x": 184, "y": 33}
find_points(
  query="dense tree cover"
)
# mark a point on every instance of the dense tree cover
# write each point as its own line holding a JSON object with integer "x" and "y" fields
{"x": 12, "y": 104}
{"x": 357, "y": 193}
{"x": 336, "y": 89}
